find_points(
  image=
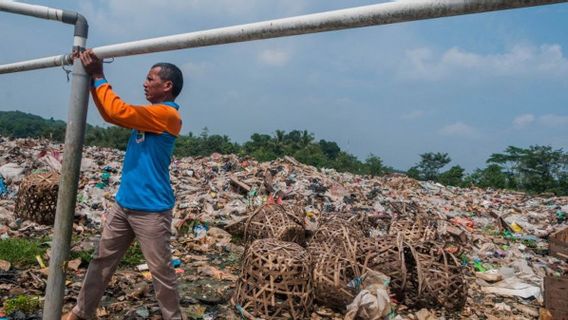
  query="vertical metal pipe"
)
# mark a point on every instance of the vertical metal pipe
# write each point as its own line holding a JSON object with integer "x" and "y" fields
{"x": 68, "y": 185}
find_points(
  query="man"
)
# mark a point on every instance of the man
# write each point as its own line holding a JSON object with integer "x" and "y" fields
{"x": 145, "y": 198}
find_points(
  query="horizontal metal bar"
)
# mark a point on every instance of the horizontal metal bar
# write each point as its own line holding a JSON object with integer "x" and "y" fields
{"x": 35, "y": 64}
{"x": 31, "y": 10}
{"x": 378, "y": 14}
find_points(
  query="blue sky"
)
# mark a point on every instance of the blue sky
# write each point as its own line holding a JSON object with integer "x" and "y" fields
{"x": 468, "y": 85}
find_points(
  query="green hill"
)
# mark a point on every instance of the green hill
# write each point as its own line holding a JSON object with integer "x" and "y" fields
{"x": 18, "y": 124}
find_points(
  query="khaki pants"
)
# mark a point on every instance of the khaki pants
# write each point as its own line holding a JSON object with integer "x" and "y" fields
{"x": 120, "y": 228}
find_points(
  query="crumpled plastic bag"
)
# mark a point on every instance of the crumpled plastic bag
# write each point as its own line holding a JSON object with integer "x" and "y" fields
{"x": 12, "y": 171}
{"x": 373, "y": 302}
{"x": 513, "y": 286}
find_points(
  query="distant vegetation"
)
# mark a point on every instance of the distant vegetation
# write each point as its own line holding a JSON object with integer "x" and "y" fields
{"x": 537, "y": 169}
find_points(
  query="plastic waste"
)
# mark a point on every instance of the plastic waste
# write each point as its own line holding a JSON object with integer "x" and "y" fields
{"x": 516, "y": 227}
{"x": 490, "y": 275}
{"x": 142, "y": 267}
{"x": 176, "y": 262}
{"x": 373, "y": 302}
{"x": 143, "y": 312}
{"x": 355, "y": 283}
{"x": 105, "y": 178}
{"x": 560, "y": 216}
{"x": 199, "y": 231}
{"x": 513, "y": 286}
{"x": 11, "y": 171}
{"x": 478, "y": 265}
{"x": 3, "y": 187}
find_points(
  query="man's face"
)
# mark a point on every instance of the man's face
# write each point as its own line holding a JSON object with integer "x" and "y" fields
{"x": 156, "y": 89}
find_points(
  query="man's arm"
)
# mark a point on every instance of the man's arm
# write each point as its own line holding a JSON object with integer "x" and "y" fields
{"x": 94, "y": 67}
{"x": 155, "y": 118}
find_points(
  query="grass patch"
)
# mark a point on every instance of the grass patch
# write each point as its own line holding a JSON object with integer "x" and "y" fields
{"x": 20, "y": 252}
{"x": 86, "y": 256}
{"x": 133, "y": 256}
{"x": 25, "y": 304}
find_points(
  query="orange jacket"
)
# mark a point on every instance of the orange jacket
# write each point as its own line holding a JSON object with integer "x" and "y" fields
{"x": 155, "y": 118}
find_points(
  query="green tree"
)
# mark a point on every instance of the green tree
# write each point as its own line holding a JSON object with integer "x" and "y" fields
{"x": 535, "y": 169}
{"x": 452, "y": 177}
{"x": 329, "y": 148}
{"x": 311, "y": 155}
{"x": 345, "y": 162}
{"x": 306, "y": 138}
{"x": 18, "y": 124}
{"x": 258, "y": 141}
{"x": 431, "y": 163}
{"x": 493, "y": 176}
{"x": 413, "y": 173}
{"x": 374, "y": 165}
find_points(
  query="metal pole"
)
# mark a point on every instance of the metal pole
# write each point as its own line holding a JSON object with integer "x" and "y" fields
{"x": 31, "y": 10}
{"x": 66, "y": 199}
{"x": 72, "y": 151}
{"x": 378, "y": 14}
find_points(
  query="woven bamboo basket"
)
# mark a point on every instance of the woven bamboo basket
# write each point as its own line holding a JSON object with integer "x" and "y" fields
{"x": 405, "y": 209}
{"x": 336, "y": 271}
{"x": 437, "y": 278}
{"x": 295, "y": 209}
{"x": 275, "y": 281}
{"x": 359, "y": 220}
{"x": 37, "y": 198}
{"x": 414, "y": 231}
{"x": 337, "y": 230}
{"x": 274, "y": 221}
{"x": 386, "y": 255}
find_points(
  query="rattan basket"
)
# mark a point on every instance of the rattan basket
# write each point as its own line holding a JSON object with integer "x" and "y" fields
{"x": 414, "y": 231}
{"x": 37, "y": 198}
{"x": 275, "y": 281}
{"x": 437, "y": 278}
{"x": 336, "y": 271}
{"x": 274, "y": 221}
{"x": 337, "y": 230}
{"x": 386, "y": 255}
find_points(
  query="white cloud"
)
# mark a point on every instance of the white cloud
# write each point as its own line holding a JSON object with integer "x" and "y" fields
{"x": 414, "y": 114}
{"x": 553, "y": 120}
{"x": 524, "y": 120}
{"x": 132, "y": 18}
{"x": 195, "y": 69}
{"x": 458, "y": 129}
{"x": 521, "y": 60}
{"x": 273, "y": 57}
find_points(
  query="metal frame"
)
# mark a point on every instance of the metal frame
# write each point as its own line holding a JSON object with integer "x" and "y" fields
{"x": 72, "y": 150}
{"x": 378, "y": 14}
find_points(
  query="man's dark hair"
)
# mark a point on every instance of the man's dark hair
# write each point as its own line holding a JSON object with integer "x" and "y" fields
{"x": 171, "y": 72}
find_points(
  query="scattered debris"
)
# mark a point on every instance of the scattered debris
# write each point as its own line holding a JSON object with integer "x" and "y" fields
{"x": 503, "y": 244}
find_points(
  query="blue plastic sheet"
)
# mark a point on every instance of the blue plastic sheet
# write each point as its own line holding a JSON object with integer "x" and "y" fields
{"x": 3, "y": 187}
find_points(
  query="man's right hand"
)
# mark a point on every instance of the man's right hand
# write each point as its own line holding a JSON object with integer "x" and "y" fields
{"x": 93, "y": 65}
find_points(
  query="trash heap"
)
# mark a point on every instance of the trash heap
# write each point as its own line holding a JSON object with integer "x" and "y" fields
{"x": 434, "y": 251}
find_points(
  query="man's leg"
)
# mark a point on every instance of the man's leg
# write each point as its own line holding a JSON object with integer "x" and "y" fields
{"x": 153, "y": 232}
{"x": 116, "y": 237}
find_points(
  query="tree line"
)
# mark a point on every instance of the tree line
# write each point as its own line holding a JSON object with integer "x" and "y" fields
{"x": 536, "y": 169}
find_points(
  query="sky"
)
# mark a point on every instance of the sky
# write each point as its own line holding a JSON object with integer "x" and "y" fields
{"x": 469, "y": 86}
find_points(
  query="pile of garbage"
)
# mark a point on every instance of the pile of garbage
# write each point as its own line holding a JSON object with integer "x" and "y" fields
{"x": 501, "y": 239}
